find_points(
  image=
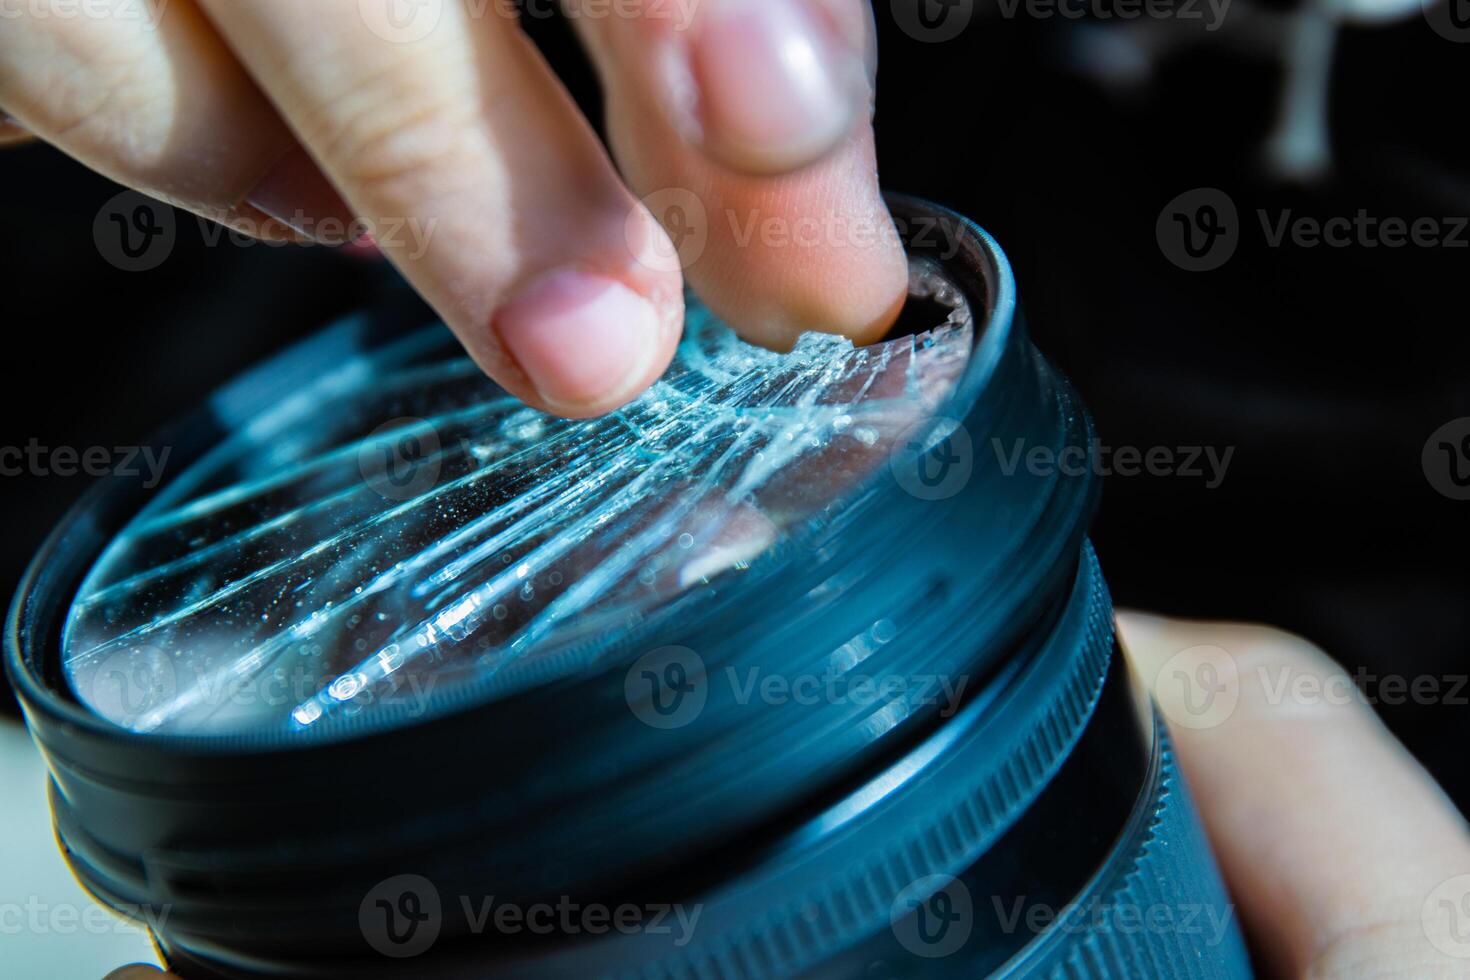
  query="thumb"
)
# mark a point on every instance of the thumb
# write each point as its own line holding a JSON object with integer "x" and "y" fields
{"x": 1344, "y": 855}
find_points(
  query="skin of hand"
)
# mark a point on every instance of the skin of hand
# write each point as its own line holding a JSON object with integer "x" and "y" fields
{"x": 436, "y": 126}
{"x": 1343, "y": 857}
{"x": 744, "y": 123}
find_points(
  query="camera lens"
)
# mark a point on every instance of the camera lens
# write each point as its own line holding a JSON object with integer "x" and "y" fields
{"x": 400, "y": 533}
{"x": 797, "y": 665}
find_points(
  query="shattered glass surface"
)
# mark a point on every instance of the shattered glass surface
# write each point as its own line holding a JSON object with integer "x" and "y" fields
{"x": 402, "y": 528}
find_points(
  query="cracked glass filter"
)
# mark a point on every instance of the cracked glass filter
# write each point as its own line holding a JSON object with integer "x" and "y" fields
{"x": 402, "y": 529}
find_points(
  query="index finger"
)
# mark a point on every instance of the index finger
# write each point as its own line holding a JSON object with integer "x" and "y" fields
{"x": 492, "y": 194}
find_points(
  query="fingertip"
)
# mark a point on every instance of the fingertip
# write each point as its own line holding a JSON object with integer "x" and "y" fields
{"x": 852, "y": 289}
{"x": 871, "y": 330}
{"x": 585, "y": 342}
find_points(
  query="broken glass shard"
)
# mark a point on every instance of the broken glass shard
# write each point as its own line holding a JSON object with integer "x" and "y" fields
{"x": 401, "y": 528}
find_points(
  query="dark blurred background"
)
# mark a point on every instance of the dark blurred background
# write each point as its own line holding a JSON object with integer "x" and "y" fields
{"x": 1324, "y": 369}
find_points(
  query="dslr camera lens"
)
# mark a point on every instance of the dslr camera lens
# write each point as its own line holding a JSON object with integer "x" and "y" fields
{"x": 795, "y": 666}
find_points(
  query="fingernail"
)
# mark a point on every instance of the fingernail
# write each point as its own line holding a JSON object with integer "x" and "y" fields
{"x": 776, "y": 86}
{"x": 582, "y": 339}
{"x": 297, "y": 194}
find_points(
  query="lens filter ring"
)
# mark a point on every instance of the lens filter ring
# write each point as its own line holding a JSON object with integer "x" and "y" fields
{"x": 262, "y": 844}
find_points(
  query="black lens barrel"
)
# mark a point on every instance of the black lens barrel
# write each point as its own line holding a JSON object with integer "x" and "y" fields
{"x": 793, "y": 825}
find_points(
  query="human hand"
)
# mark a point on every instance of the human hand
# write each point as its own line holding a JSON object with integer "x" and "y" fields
{"x": 1342, "y": 855}
{"x": 437, "y": 125}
